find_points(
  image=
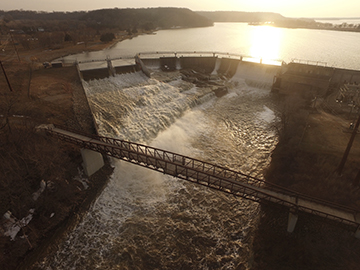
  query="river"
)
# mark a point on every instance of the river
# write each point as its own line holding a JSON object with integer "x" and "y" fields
{"x": 147, "y": 220}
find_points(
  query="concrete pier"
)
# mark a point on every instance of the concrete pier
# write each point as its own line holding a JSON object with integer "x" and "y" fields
{"x": 110, "y": 68}
{"x": 92, "y": 161}
{"x": 293, "y": 218}
{"x": 357, "y": 233}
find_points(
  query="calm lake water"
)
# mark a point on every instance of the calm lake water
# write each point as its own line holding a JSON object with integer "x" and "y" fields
{"x": 335, "y": 48}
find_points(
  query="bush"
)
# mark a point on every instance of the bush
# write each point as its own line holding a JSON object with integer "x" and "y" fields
{"x": 107, "y": 37}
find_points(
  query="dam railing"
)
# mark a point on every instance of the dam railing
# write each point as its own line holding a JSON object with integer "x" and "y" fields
{"x": 309, "y": 62}
{"x": 158, "y": 54}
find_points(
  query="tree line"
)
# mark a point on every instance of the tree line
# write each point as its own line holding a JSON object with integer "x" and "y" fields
{"x": 121, "y": 19}
{"x": 33, "y": 28}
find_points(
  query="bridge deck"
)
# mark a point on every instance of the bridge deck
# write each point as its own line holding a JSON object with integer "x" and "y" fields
{"x": 209, "y": 175}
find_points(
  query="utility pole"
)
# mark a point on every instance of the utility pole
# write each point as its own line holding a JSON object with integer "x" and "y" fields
{"x": 6, "y": 77}
{"x": 12, "y": 39}
{"x": 347, "y": 150}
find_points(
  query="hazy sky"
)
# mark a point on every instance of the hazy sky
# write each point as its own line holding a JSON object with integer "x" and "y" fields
{"x": 288, "y": 8}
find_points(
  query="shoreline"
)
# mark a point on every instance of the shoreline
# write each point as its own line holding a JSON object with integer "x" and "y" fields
{"x": 39, "y": 55}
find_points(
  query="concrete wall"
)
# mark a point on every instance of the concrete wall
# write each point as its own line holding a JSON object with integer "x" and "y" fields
{"x": 92, "y": 74}
{"x": 314, "y": 80}
{"x": 151, "y": 62}
{"x": 92, "y": 161}
{"x": 228, "y": 67}
{"x": 141, "y": 66}
{"x": 206, "y": 64}
{"x": 126, "y": 69}
{"x": 101, "y": 73}
{"x": 304, "y": 79}
{"x": 342, "y": 76}
{"x": 256, "y": 73}
{"x": 168, "y": 63}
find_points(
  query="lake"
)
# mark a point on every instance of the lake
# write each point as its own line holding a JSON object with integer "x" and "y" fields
{"x": 335, "y": 48}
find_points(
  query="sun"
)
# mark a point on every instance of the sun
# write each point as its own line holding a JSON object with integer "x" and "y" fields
{"x": 265, "y": 43}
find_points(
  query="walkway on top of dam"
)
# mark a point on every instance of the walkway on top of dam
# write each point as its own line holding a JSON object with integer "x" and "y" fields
{"x": 207, "y": 174}
{"x": 130, "y": 60}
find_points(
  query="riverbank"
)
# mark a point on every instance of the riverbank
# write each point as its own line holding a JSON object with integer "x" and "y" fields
{"x": 42, "y": 95}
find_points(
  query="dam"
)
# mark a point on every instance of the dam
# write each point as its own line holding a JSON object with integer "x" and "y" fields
{"x": 310, "y": 77}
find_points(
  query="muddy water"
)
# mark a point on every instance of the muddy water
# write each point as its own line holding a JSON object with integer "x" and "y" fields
{"x": 147, "y": 220}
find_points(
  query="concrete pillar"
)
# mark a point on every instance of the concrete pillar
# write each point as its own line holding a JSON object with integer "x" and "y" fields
{"x": 92, "y": 161}
{"x": 111, "y": 69}
{"x": 357, "y": 233}
{"x": 293, "y": 217}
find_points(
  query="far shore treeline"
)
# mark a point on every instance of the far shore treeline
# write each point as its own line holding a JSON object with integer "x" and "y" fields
{"x": 119, "y": 19}
{"x": 51, "y": 29}
{"x": 34, "y": 29}
{"x": 147, "y": 19}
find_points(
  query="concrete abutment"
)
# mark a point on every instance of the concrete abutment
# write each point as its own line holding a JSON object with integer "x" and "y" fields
{"x": 92, "y": 161}
{"x": 292, "y": 220}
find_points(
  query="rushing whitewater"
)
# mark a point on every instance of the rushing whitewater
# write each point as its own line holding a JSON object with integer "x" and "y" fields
{"x": 146, "y": 220}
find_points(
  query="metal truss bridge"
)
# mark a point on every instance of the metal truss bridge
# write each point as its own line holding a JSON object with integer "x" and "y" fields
{"x": 210, "y": 175}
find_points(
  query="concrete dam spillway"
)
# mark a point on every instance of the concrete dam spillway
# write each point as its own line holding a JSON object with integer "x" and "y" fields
{"x": 208, "y": 63}
{"x": 298, "y": 76}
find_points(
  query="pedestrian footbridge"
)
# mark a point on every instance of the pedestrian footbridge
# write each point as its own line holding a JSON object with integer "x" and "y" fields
{"x": 206, "y": 174}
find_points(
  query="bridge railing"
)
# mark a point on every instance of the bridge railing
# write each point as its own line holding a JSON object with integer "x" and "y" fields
{"x": 158, "y": 159}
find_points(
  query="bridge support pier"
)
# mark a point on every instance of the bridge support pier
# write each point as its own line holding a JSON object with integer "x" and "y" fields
{"x": 357, "y": 233}
{"x": 293, "y": 217}
{"x": 92, "y": 161}
{"x": 111, "y": 69}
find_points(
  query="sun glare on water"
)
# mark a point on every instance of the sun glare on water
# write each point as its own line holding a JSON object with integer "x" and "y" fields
{"x": 266, "y": 41}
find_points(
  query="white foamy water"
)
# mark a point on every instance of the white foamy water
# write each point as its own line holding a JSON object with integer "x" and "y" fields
{"x": 146, "y": 220}
{"x": 140, "y": 107}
